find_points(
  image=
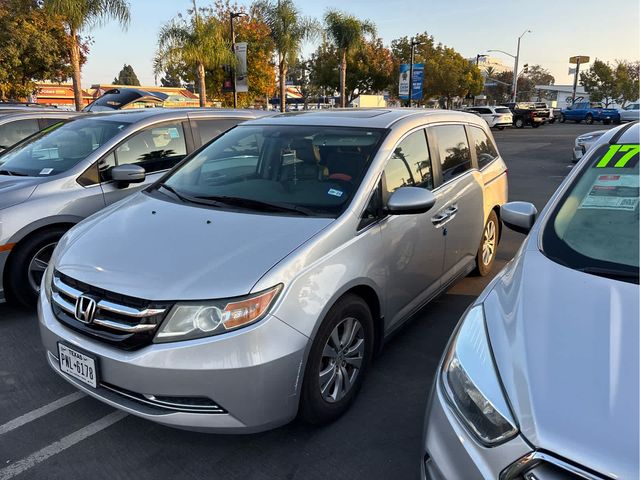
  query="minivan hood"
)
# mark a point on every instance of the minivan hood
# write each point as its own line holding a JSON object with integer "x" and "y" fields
{"x": 14, "y": 190}
{"x": 566, "y": 348}
{"x": 159, "y": 250}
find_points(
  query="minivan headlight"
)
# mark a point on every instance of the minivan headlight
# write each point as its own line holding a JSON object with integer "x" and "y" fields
{"x": 472, "y": 385}
{"x": 47, "y": 280}
{"x": 190, "y": 320}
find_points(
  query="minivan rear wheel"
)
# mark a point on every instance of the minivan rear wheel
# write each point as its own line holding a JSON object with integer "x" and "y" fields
{"x": 338, "y": 361}
{"x": 28, "y": 265}
{"x": 488, "y": 245}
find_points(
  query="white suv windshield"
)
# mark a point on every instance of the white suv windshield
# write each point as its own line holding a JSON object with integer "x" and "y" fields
{"x": 595, "y": 226}
{"x": 56, "y": 151}
{"x": 309, "y": 170}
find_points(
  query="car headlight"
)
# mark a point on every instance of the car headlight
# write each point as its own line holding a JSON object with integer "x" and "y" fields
{"x": 472, "y": 385}
{"x": 47, "y": 280}
{"x": 190, "y": 320}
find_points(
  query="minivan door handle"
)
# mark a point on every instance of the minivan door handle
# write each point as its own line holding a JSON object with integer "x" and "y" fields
{"x": 439, "y": 219}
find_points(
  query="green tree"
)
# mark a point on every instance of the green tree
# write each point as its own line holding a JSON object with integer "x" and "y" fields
{"x": 288, "y": 30}
{"x": 127, "y": 77}
{"x": 347, "y": 33}
{"x": 197, "y": 42}
{"x": 600, "y": 82}
{"x": 34, "y": 48}
{"x": 626, "y": 76}
{"x": 371, "y": 69}
{"x": 172, "y": 77}
{"x": 79, "y": 15}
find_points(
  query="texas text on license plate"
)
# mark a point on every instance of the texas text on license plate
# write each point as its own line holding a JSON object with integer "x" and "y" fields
{"x": 78, "y": 365}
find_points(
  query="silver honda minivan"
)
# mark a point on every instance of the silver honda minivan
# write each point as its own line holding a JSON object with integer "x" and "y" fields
{"x": 64, "y": 174}
{"x": 257, "y": 279}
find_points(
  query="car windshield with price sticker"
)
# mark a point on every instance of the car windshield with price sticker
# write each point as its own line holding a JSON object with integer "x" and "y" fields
{"x": 594, "y": 228}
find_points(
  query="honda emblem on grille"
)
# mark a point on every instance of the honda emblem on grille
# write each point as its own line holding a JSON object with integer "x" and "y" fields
{"x": 85, "y": 309}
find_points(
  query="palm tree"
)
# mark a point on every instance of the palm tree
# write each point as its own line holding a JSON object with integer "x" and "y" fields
{"x": 79, "y": 15}
{"x": 347, "y": 34}
{"x": 288, "y": 30}
{"x": 198, "y": 43}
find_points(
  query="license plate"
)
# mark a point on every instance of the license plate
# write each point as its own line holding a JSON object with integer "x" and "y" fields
{"x": 78, "y": 365}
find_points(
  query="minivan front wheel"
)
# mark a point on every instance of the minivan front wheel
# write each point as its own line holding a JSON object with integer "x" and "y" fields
{"x": 29, "y": 262}
{"x": 488, "y": 245}
{"x": 337, "y": 361}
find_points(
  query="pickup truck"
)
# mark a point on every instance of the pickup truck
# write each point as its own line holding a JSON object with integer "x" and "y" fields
{"x": 589, "y": 112}
{"x": 527, "y": 113}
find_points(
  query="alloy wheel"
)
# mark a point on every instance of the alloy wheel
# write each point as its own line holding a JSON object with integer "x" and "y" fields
{"x": 489, "y": 242}
{"x": 37, "y": 266}
{"x": 341, "y": 360}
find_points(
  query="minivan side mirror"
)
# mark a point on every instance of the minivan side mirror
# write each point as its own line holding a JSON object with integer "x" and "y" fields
{"x": 519, "y": 216}
{"x": 410, "y": 200}
{"x": 126, "y": 174}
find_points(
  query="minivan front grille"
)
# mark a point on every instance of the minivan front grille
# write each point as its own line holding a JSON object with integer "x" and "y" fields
{"x": 127, "y": 322}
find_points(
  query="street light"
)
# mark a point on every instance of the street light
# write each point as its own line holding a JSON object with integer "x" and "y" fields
{"x": 233, "y": 15}
{"x": 414, "y": 44}
{"x": 514, "y": 85}
{"x": 478, "y": 57}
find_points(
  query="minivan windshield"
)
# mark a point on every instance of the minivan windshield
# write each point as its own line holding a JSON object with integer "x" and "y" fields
{"x": 594, "y": 228}
{"x": 55, "y": 151}
{"x": 307, "y": 170}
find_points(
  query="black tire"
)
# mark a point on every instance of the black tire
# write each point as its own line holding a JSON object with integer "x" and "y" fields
{"x": 314, "y": 408}
{"x": 535, "y": 125}
{"x": 519, "y": 123}
{"x": 606, "y": 122}
{"x": 483, "y": 267}
{"x": 19, "y": 281}
{"x": 500, "y": 128}
{"x": 588, "y": 119}
{"x": 562, "y": 119}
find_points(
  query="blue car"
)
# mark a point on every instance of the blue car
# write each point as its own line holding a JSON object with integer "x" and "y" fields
{"x": 589, "y": 112}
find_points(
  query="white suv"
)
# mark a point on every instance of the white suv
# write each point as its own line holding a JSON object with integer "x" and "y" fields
{"x": 498, "y": 117}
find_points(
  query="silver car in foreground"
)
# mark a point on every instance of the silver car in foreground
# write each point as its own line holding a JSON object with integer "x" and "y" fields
{"x": 541, "y": 377}
{"x": 260, "y": 277}
{"x": 60, "y": 176}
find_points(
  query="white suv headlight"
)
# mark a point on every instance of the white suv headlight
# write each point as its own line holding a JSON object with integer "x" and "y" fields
{"x": 471, "y": 382}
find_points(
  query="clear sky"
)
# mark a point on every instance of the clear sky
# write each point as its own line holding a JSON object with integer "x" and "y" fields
{"x": 607, "y": 30}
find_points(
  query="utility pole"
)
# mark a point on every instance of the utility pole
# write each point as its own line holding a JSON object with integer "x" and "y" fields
{"x": 478, "y": 56}
{"x": 514, "y": 89}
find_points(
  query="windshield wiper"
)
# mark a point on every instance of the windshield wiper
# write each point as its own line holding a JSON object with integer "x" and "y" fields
{"x": 256, "y": 204}
{"x": 179, "y": 196}
{"x": 611, "y": 273}
{"x": 13, "y": 173}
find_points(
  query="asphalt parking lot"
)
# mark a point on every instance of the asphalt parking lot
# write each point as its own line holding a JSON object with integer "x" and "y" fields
{"x": 48, "y": 430}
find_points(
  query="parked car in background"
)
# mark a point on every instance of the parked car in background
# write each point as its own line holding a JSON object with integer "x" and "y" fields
{"x": 540, "y": 379}
{"x": 554, "y": 112}
{"x": 496, "y": 117}
{"x": 126, "y": 99}
{"x": 526, "y": 113}
{"x": 589, "y": 112}
{"x": 16, "y": 125}
{"x": 57, "y": 178}
{"x": 276, "y": 261}
{"x": 630, "y": 113}
{"x": 584, "y": 142}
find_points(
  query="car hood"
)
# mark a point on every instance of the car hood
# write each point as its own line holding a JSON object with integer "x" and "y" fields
{"x": 566, "y": 348}
{"x": 14, "y": 190}
{"x": 159, "y": 250}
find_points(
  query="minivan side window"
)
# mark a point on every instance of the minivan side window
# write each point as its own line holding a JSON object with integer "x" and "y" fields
{"x": 455, "y": 156}
{"x": 485, "y": 149}
{"x": 212, "y": 128}
{"x": 155, "y": 148}
{"x": 13, "y": 132}
{"x": 410, "y": 164}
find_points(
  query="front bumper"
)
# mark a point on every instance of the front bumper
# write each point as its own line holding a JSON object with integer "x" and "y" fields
{"x": 254, "y": 374}
{"x": 450, "y": 452}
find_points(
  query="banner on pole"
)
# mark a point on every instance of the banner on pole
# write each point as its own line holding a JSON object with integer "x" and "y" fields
{"x": 418, "y": 79}
{"x": 241, "y": 67}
